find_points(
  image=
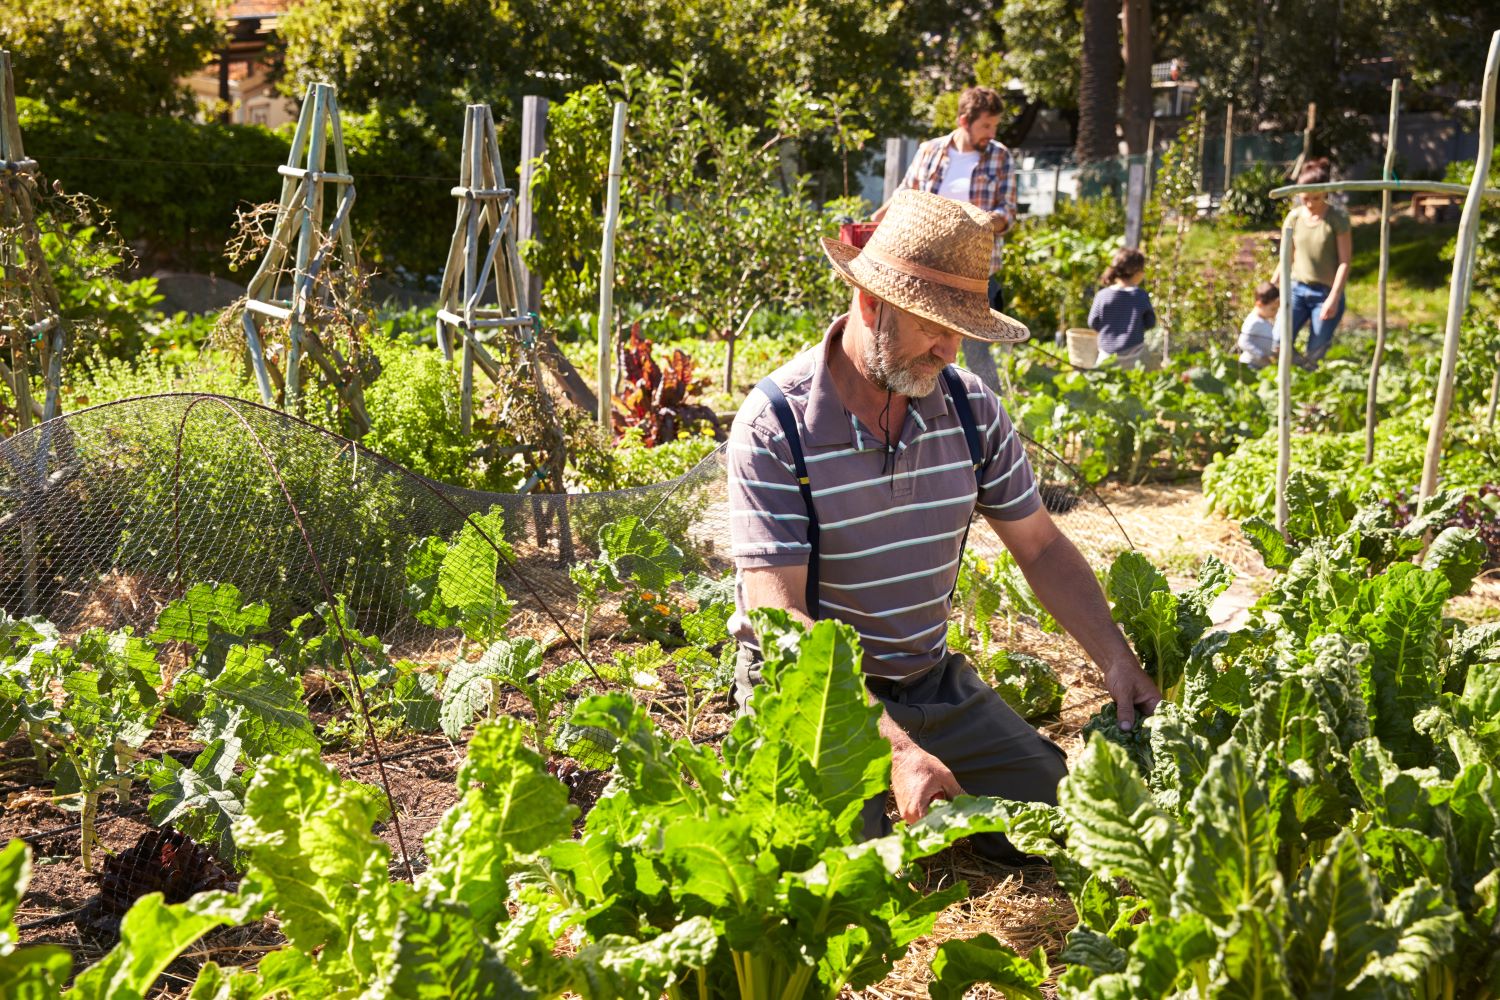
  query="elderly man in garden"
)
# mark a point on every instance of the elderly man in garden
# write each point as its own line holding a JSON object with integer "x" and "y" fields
{"x": 854, "y": 471}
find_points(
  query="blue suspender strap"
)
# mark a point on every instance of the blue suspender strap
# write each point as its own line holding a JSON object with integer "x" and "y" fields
{"x": 960, "y": 394}
{"x": 783, "y": 411}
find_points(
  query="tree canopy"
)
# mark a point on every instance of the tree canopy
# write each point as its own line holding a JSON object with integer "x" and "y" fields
{"x": 407, "y": 51}
{"x": 109, "y": 55}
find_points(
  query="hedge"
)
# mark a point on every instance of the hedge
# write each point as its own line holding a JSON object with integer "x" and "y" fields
{"x": 173, "y": 185}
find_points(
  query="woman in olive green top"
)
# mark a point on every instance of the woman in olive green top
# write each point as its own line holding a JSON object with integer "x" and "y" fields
{"x": 1321, "y": 248}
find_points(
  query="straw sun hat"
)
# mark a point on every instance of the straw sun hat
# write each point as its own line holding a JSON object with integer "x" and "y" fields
{"x": 930, "y": 257}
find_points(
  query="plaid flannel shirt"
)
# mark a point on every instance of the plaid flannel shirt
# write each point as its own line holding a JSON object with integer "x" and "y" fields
{"x": 992, "y": 187}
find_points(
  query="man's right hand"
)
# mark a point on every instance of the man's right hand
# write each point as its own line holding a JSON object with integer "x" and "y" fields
{"x": 919, "y": 779}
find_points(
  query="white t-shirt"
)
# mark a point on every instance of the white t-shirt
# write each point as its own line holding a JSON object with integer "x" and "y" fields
{"x": 1258, "y": 337}
{"x": 957, "y": 174}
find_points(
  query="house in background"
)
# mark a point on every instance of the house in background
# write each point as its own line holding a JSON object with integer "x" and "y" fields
{"x": 240, "y": 86}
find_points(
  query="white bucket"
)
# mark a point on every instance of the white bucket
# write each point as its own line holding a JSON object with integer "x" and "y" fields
{"x": 1083, "y": 347}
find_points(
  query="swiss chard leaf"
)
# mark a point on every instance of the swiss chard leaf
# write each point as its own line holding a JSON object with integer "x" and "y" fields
{"x": 152, "y": 935}
{"x": 641, "y": 554}
{"x": 1114, "y": 827}
{"x": 1231, "y": 843}
{"x": 510, "y": 806}
{"x": 960, "y": 964}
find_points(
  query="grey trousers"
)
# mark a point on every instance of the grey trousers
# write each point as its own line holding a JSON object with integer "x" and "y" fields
{"x": 954, "y": 715}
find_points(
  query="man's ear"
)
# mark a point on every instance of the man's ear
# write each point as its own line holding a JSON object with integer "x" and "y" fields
{"x": 869, "y": 307}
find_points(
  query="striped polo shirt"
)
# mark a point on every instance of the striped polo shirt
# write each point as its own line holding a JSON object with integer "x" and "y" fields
{"x": 890, "y": 530}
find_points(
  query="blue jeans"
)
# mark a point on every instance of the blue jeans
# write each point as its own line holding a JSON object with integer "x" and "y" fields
{"x": 1307, "y": 302}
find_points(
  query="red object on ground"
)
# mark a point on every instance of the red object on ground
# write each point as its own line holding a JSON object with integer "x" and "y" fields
{"x": 856, "y": 233}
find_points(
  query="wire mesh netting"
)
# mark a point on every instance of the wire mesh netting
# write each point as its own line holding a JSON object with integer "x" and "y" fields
{"x": 110, "y": 514}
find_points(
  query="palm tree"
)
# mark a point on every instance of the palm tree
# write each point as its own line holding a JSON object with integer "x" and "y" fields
{"x": 1098, "y": 82}
{"x": 1137, "y": 23}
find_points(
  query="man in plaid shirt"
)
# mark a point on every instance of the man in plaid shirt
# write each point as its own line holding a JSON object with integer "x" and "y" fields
{"x": 969, "y": 164}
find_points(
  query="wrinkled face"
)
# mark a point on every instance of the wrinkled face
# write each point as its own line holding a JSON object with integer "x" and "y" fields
{"x": 981, "y": 128}
{"x": 905, "y": 353}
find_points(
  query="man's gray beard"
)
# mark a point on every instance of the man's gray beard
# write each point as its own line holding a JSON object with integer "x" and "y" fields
{"x": 912, "y": 378}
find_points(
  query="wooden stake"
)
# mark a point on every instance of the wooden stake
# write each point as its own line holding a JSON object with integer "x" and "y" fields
{"x": 1228, "y": 146}
{"x": 1463, "y": 273}
{"x": 1307, "y": 134}
{"x": 1386, "y": 173}
{"x": 1202, "y": 134}
{"x": 1494, "y": 394}
{"x": 1150, "y": 155}
{"x": 607, "y": 268}
{"x": 1284, "y": 377}
{"x": 533, "y": 145}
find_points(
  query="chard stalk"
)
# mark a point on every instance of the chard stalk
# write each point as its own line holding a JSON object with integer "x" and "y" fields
{"x": 86, "y": 829}
{"x": 34, "y": 733}
{"x": 123, "y": 755}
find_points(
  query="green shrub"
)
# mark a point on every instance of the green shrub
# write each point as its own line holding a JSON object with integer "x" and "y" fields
{"x": 1249, "y": 202}
{"x": 414, "y": 420}
{"x": 179, "y": 210}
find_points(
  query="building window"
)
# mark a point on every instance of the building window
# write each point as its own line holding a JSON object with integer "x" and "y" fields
{"x": 258, "y": 113}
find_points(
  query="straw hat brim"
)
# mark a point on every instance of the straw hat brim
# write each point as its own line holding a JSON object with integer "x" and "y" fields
{"x": 965, "y": 313}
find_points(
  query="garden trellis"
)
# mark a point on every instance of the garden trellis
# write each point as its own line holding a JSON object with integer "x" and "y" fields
{"x": 1458, "y": 294}
{"x": 301, "y": 210}
{"x": 482, "y": 256}
{"x": 30, "y": 312}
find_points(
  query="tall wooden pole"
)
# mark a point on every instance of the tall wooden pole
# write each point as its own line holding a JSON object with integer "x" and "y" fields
{"x": 1150, "y": 155}
{"x": 607, "y": 268}
{"x": 1228, "y": 146}
{"x": 1489, "y": 419}
{"x": 1307, "y": 134}
{"x": 1202, "y": 132}
{"x": 1284, "y": 377}
{"x": 1463, "y": 272}
{"x": 1386, "y": 173}
{"x": 533, "y": 145}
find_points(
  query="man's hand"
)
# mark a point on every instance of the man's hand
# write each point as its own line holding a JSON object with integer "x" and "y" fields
{"x": 1132, "y": 689}
{"x": 999, "y": 222}
{"x": 919, "y": 779}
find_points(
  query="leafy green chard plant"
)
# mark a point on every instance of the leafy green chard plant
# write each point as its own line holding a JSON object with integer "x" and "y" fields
{"x": 763, "y": 844}
{"x": 703, "y": 666}
{"x": 475, "y": 688}
{"x": 27, "y": 675}
{"x": 245, "y": 701}
{"x": 109, "y": 708}
{"x": 1316, "y": 815}
{"x": 985, "y": 587}
{"x": 398, "y": 694}
{"x": 456, "y": 582}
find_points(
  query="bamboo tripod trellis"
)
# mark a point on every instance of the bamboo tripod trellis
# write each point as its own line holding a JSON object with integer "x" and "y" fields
{"x": 482, "y": 256}
{"x": 1459, "y": 288}
{"x": 32, "y": 312}
{"x": 301, "y": 210}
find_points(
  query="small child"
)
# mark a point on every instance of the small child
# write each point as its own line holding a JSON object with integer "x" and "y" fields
{"x": 1259, "y": 339}
{"x": 1122, "y": 312}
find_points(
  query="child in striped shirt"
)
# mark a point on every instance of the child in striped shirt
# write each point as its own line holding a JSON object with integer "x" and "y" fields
{"x": 1122, "y": 311}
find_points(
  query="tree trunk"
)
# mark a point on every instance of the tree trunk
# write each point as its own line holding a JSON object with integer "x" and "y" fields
{"x": 1098, "y": 83}
{"x": 1137, "y": 23}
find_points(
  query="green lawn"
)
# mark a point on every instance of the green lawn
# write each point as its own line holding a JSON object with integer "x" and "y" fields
{"x": 1417, "y": 290}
